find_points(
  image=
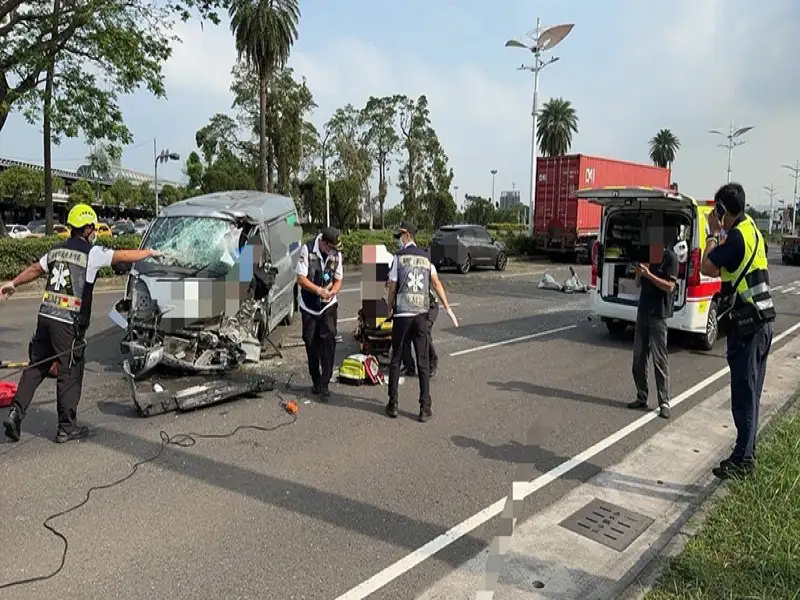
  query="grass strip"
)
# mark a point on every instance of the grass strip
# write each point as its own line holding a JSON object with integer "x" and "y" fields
{"x": 749, "y": 546}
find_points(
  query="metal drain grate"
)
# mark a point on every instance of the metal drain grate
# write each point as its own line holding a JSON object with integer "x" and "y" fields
{"x": 608, "y": 524}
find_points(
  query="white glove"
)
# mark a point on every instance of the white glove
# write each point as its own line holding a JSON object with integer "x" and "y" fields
{"x": 452, "y": 316}
{"x": 7, "y": 290}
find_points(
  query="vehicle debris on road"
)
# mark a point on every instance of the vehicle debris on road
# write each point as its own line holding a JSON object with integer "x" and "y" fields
{"x": 571, "y": 285}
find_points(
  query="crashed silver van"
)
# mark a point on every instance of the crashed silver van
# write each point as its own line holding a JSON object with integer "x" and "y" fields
{"x": 225, "y": 283}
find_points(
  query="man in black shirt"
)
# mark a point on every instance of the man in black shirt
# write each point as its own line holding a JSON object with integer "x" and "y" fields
{"x": 656, "y": 305}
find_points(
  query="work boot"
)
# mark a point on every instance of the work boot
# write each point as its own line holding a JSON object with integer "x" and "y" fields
{"x": 324, "y": 394}
{"x": 638, "y": 404}
{"x": 78, "y": 433}
{"x": 12, "y": 425}
{"x": 410, "y": 371}
{"x": 729, "y": 469}
{"x": 664, "y": 410}
{"x": 316, "y": 388}
{"x": 425, "y": 413}
{"x": 391, "y": 409}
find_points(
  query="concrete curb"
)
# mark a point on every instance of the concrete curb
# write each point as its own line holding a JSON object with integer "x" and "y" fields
{"x": 712, "y": 492}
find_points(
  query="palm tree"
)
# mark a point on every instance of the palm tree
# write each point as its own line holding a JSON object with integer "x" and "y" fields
{"x": 557, "y": 122}
{"x": 264, "y": 32}
{"x": 663, "y": 147}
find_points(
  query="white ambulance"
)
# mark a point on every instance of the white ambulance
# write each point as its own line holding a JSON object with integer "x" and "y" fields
{"x": 628, "y": 214}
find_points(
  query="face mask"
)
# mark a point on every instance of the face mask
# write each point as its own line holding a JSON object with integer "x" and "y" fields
{"x": 93, "y": 238}
{"x": 400, "y": 243}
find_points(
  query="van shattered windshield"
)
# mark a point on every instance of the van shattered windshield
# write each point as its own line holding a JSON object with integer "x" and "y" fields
{"x": 196, "y": 243}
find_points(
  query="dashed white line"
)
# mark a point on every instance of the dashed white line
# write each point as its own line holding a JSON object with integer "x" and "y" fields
{"x": 405, "y": 564}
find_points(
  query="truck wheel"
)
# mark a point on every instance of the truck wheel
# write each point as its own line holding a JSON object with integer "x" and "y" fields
{"x": 707, "y": 340}
{"x": 465, "y": 266}
{"x": 616, "y": 327}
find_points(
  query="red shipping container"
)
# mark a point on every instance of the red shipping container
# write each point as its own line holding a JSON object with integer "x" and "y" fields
{"x": 564, "y": 224}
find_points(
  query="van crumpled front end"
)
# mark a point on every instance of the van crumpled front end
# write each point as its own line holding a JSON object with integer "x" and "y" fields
{"x": 204, "y": 345}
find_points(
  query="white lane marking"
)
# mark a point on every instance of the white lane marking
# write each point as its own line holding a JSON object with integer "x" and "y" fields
{"x": 438, "y": 544}
{"x": 348, "y": 319}
{"x": 523, "y": 338}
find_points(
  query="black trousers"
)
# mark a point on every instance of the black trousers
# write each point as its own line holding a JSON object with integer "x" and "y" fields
{"x": 650, "y": 340}
{"x": 747, "y": 359}
{"x": 319, "y": 336}
{"x": 416, "y": 330}
{"x": 433, "y": 359}
{"x": 50, "y": 338}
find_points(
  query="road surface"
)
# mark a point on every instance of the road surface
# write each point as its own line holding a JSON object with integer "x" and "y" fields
{"x": 314, "y": 509}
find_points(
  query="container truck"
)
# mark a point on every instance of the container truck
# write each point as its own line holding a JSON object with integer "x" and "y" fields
{"x": 567, "y": 226}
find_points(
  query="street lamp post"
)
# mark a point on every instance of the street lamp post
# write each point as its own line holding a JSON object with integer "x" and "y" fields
{"x": 795, "y": 175}
{"x": 771, "y": 189}
{"x": 494, "y": 173}
{"x": 164, "y": 157}
{"x": 544, "y": 38}
{"x": 733, "y": 133}
{"x": 455, "y": 193}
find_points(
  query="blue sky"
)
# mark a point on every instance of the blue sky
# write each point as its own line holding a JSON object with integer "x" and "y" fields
{"x": 629, "y": 67}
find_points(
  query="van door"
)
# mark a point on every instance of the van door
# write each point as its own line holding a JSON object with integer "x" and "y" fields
{"x": 284, "y": 241}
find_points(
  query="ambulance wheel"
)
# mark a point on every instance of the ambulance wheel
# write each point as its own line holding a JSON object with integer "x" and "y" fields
{"x": 707, "y": 340}
{"x": 616, "y": 327}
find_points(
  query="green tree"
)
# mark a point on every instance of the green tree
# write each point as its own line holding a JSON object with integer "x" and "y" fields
{"x": 170, "y": 195}
{"x": 217, "y": 137}
{"x": 311, "y": 192}
{"x": 352, "y": 161}
{"x": 440, "y": 209}
{"x": 145, "y": 199}
{"x": 415, "y": 126}
{"x": 125, "y": 41}
{"x": 479, "y": 211}
{"x": 557, "y": 122}
{"x": 264, "y": 32}
{"x": 291, "y": 138}
{"x": 228, "y": 172}
{"x": 194, "y": 170}
{"x": 345, "y": 203}
{"x": 23, "y": 186}
{"x": 380, "y": 115}
{"x": 123, "y": 194}
{"x": 394, "y": 216}
{"x": 81, "y": 192}
{"x": 663, "y": 147}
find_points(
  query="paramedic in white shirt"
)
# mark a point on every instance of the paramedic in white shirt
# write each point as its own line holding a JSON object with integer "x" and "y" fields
{"x": 319, "y": 275}
{"x": 64, "y": 316}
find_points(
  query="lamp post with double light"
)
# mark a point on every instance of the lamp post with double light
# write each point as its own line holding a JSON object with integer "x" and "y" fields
{"x": 543, "y": 39}
{"x": 732, "y": 135}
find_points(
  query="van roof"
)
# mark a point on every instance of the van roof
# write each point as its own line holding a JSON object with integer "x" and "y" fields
{"x": 632, "y": 191}
{"x": 254, "y": 206}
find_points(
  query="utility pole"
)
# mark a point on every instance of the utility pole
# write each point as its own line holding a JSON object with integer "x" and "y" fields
{"x": 494, "y": 173}
{"x": 795, "y": 175}
{"x": 771, "y": 190}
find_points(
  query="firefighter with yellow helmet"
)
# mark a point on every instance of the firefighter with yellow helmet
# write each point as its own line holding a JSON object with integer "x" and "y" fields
{"x": 71, "y": 267}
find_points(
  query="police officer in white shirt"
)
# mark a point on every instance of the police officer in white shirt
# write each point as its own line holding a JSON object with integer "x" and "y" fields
{"x": 319, "y": 275}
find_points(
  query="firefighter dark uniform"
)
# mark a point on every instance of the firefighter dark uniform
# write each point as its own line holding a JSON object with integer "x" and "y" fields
{"x": 745, "y": 287}
{"x": 320, "y": 316}
{"x": 409, "y": 365}
{"x": 410, "y": 322}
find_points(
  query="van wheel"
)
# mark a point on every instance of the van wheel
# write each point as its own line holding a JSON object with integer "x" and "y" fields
{"x": 289, "y": 318}
{"x": 616, "y": 327}
{"x": 465, "y": 266}
{"x": 706, "y": 341}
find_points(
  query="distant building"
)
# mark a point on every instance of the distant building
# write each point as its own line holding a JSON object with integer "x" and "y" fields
{"x": 509, "y": 199}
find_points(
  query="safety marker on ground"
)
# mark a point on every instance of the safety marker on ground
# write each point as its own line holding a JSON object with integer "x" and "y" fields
{"x": 522, "y": 490}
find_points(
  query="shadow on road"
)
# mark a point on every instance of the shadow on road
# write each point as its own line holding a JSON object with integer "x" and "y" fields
{"x": 549, "y": 392}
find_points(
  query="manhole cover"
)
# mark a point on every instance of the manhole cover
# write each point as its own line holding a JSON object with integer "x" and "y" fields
{"x": 608, "y": 524}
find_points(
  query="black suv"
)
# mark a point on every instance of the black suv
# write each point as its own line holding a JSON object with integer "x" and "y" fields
{"x": 467, "y": 246}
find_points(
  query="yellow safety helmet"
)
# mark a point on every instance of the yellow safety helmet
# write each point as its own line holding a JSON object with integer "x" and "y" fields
{"x": 81, "y": 215}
